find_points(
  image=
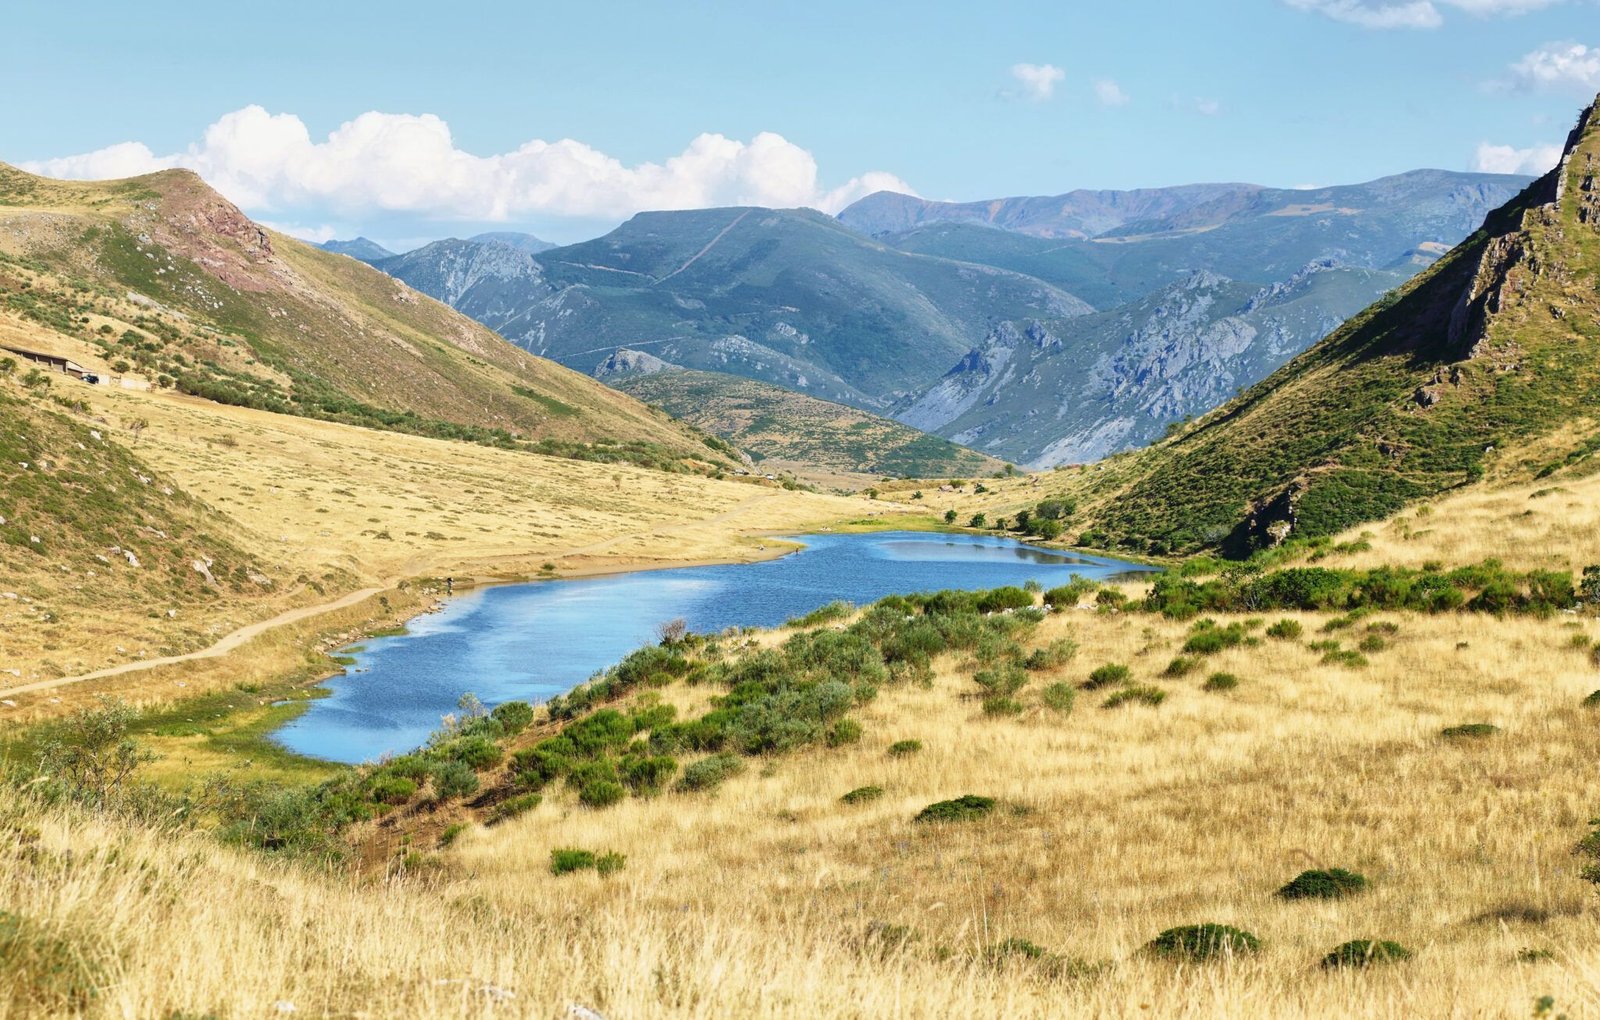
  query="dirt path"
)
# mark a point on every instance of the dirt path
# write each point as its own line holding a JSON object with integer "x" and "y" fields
{"x": 244, "y": 634}
{"x": 222, "y": 647}
{"x": 696, "y": 256}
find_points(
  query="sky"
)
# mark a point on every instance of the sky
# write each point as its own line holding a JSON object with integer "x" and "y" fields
{"x": 409, "y": 122}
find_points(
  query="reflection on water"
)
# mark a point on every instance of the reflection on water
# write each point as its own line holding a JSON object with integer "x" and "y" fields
{"x": 533, "y": 641}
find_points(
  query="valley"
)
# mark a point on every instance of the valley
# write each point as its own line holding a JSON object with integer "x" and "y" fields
{"x": 783, "y": 594}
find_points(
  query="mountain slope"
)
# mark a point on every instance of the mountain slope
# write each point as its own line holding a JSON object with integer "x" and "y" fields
{"x": 772, "y": 423}
{"x": 1046, "y": 393}
{"x": 164, "y": 274}
{"x": 1497, "y": 343}
{"x": 784, "y": 296}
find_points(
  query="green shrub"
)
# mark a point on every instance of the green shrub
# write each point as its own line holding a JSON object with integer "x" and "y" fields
{"x": 646, "y": 774}
{"x": 1469, "y": 731}
{"x": 46, "y": 974}
{"x": 902, "y": 748}
{"x": 1069, "y": 595}
{"x": 842, "y": 732}
{"x": 568, "y": 860}
{"x": 1200, "y": 942}
{"x": 1329, "y": 884}
{"x": 836, "y": 610}
{"x": 709, "y": 773}
{"x": 862, "y": 795}
{"x": 1000, "y": 599}
{"x": 451, "y": 833}
{"x": 513, "y": 716}
{"x": 1373, "y": 643}
{"x": 512, "y": 807}
{"x": 453, "y": 779}
{"x": 1344, "y": 657}
{"x": 476, "y": 752}
{"x": 1140, "y": 694}
{"x": 965, "y": 808}
{"x": 1001, "y": 681}
{"x": 392, "y": 790}
{"x": 1108, "y": 675}
{"x": 1220, "y": 682}
{"x": 601, "y": 793}
{"x": 1206, "y": 638}
{"x": 1181, "y": 666}
{"x": 1059, "y": 697}
{"x": 1002, "y": 706}
{"x": 1053, "y": 655}
{"x": 1013, "y": 948}
{"x": 1364, "y": 952}
{"x": 1285, "y": 630}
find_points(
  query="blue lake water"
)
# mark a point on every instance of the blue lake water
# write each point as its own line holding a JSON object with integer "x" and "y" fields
{"x": 533, "y": 641}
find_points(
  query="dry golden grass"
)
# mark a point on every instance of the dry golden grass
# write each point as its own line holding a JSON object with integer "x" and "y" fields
{"x": 327, "y": 509}
{"x": 756, "y": 900}
{"x": 1551, "y": 524}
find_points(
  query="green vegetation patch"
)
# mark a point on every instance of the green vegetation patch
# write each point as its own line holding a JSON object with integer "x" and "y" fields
{"x": 1202, "y": 942}
{"x": 1469, "y": 731}
{"x": 1323, "y": 884}
{"x": 569, "y": 860}
{"x": 966, "y": 808}
{"x": 862, "y": 795}
{"x": 1366, "y": 952}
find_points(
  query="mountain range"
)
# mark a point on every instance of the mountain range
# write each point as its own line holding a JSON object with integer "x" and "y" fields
{"x": 1041, "y": 331}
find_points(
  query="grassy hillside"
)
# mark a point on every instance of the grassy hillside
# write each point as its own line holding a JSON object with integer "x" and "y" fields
{"x": 162, "y": 275}
{"x": 769, "y": 422}
{"x": 1494, "y": 346}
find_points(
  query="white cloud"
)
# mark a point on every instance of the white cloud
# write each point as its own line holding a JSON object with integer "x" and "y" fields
{"x": 1407, "y": 14}
{"x": 1487, "y": 8}
{"x": 1413, "y": 13}
{"x": 1109, "y": 93}
{"x": 1506, "y": 159}
{"x": 384, "y": 162}
{"x": 1559, "y": 65}
{"x": 1207, "y": 107}
{"x": 1038, "y": 81}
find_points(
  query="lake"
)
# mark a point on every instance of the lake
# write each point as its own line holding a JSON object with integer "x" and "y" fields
{"x": 533, "y": 641}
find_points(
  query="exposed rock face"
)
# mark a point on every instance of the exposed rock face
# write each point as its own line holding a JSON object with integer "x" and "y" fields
{"x": 1270, "y": 522}
{"x": 625, "y": 362}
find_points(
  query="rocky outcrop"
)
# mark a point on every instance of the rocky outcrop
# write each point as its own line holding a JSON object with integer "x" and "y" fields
{"x": 626, "y": 362}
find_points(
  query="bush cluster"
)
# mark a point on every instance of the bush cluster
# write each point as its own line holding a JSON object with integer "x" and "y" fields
{"x": 1486, "y": 587}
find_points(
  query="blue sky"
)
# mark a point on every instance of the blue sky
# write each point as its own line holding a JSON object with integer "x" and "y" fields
{"x": 564, "y": 119}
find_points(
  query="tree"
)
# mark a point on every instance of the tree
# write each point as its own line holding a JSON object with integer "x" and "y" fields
{"x": 8, "y": 366}
{"x": 978, "y": 521}
{"x": 36, "y": 380}
{"x": 94, "y": 756}
{"x": 1048, "y": 529}
{"x": 1056, "y": 508}
{"x": 1024, "y": 521}
{"x": 949, "y": 516}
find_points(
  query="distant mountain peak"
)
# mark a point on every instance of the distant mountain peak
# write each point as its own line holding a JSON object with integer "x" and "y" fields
{"x": 515, "y": 239}
{"x": 360, "y": 248}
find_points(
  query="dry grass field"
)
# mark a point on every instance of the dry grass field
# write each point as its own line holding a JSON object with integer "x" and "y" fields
{"x": 770, "y": 897}
{"x": 325, "y": 509}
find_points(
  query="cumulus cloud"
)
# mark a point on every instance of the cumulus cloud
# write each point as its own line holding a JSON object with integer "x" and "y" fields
{"x": 1109, "y": 93}
{"x": 1410, "y": 14}
{"x": 404, "y": 163}
{"x": 1507, "y": 159}
{"x": 1413, "y": 13}
{"x": 1038, "y": 81}
{"x": 1559, "y": 65}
